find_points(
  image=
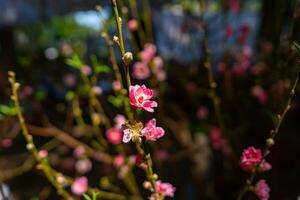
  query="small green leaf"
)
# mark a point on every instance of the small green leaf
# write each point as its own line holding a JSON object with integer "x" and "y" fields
{"x": 102, "y": 69}
{"x": 297, "y": 47}
{"x": 75, "y": 61}
{"x": 116, "y": 101}
{"x": 86, "y": 197}
{"x": 99, "y": 68}
{"x": 8, "y": 110}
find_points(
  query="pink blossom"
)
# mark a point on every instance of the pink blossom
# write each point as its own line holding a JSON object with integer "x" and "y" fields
{"x": 69, "y": 80}
{"x": 202, "y": 112}
{"x": 79, "y": 151}
{"x": 148, "y": 53}
{"x": 261, "y": 95}
{"x": 165, "y": 189}
{"x": 250, "y": 158}
{"x": 133, "y": 24}
{"x": 262, "y": 190}
{"x": 97, "y": 90}
{"x": 43, "y": 153}
{"x": 119, "y": 161}
{"x": 152, "y": 132}
{"x": 140, "y": 70}
{"x": 114, "y": 135}
{"x": 79, "y": 186}
{"x": 130, "y": 134}
{"x": 119, "y": 121}
{"x": 140, "y": 97}
{"x": 265, "y": 166}
{"x": 86, "y": 70}
{"x": 6, "y": 143}
{"x": 116, "y": 85}
{"x": 83, "y": 166}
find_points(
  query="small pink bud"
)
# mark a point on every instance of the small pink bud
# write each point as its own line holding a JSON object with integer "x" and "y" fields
{"x": 43, "y": 153}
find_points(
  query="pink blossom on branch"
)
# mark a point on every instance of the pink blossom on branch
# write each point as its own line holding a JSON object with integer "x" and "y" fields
{"x": 262, "y": 190}
{"x": 165, "y": 189}
{"x": 250, "y": 158}
{"x": 140, "y": 97}
{"x": 152, "y": 132}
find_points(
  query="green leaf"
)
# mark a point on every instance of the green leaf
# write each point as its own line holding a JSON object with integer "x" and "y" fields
{"x": 102, "y": 69}
{"x": 8, "y": 110}
{"x": 99, "y": 68}
{"x": 116, "y": 101}
{"x": 75, "y": 61}
{"x": 297, "y": 47}
{"x": 86, "y": 197}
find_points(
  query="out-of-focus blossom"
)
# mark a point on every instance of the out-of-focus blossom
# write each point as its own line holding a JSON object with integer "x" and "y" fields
{"x": 148, "y": 52}
{"x": 162, "y": 155}
{"x": 140, "y": 97}
{"x": 202, "y": 112}
{"x": 262, "y": 190}
{"x": 83, "y": 166}
{"x": 133, "y": 24}
{"x": 51, "y": 53}
{"x": 66, "y": 49}
{"x": 119, "y": 121}
{"x": 43, "y": 153}
{"x": 26, "y": 92}
{"x": 280, "y": 87}
{"x": 69, "y": 80}
{"x": 267, "y": 47}
{"x": 114, "y": 135}
{"x": 250, "y": 158}
{"x": 221, "y": 67}
{"x": 218, "y": 142}
{"x": 116, "y": 85}
{"x": 79, "y": 151}
{"x": 79, "y": 186}
{"x": 234, "y": 6}
{"x": 244, "y": 32}
{"x": 6, "y": 143}
{"x": 140, "y": 70}
{"x": 228, "y": 31}
{"x": 119, "y": 161}
{"x": 97, "y": 90}
{"x": 151, "y": 131}
{"x": 258, "y": 92}
{"x": 157, "y": 68}
{"x": 86, "y": 70}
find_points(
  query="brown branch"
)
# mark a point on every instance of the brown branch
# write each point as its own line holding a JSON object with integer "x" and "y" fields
{"x": 69, "y": 141}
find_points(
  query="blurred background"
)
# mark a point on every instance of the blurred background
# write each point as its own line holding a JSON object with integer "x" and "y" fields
{"x": 253, "y": 63}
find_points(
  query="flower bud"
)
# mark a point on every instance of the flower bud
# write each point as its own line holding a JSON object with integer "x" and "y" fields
{"x": 127, "y": 58}
{"x": 270, "y": 142}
